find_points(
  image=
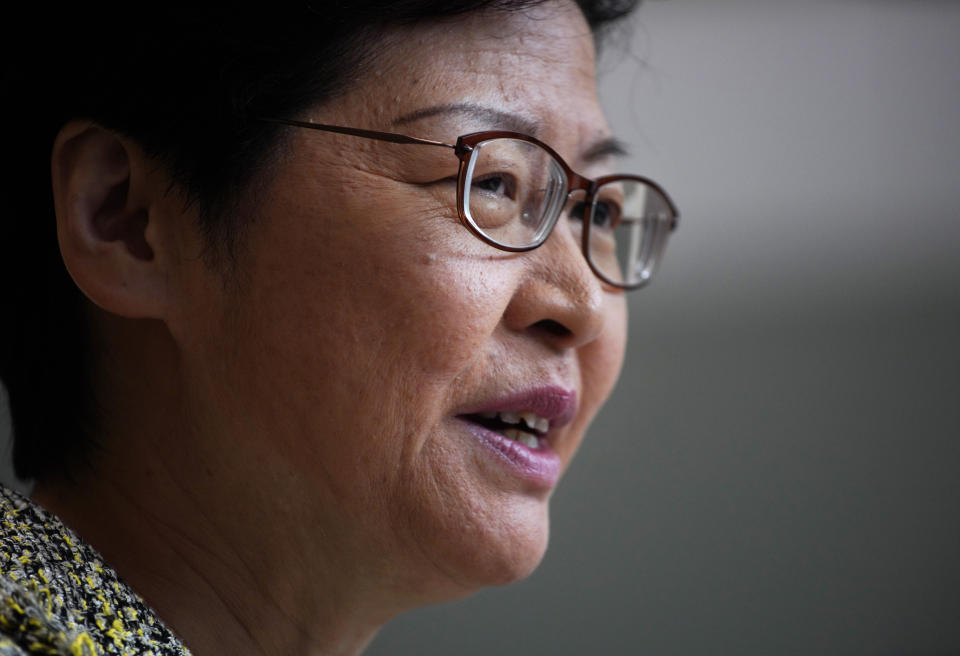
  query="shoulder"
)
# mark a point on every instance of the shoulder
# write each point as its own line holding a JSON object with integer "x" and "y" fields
{"x": 57, "y": 596}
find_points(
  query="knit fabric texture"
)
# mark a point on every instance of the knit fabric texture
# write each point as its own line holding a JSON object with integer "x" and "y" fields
{"x": 58, "y": 597}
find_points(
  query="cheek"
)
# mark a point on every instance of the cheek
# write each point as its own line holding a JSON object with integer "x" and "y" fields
{"x": 422, "y": 293}
{"x": 602, "y": 367}
{"x": 382, "y": 268}
{"x": 377, "y": 287}
{"x": 600, "y": 363}
{"x": 612, "y": 345}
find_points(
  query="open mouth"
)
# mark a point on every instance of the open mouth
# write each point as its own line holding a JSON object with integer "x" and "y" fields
{"x": 527, "y": 428}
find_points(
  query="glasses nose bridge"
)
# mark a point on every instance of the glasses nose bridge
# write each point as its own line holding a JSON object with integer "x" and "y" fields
{"x": 576, "y": 182}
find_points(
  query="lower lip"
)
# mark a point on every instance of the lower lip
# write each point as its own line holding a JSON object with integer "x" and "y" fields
{"x": 538, "y": 466}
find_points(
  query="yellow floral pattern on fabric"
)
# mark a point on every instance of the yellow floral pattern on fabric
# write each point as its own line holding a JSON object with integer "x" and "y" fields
{"x": 58, "y": 597}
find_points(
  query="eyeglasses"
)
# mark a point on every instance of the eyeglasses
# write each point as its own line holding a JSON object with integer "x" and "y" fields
{"x": 512, "y": 189}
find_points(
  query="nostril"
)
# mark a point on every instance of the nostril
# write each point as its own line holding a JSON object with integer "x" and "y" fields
{"x": 551, "y": 327}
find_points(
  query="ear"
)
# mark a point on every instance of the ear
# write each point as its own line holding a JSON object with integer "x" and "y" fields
{"x": 106, "y": 219}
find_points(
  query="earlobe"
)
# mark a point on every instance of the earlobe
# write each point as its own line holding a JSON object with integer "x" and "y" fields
{"x": 102, "y": 202}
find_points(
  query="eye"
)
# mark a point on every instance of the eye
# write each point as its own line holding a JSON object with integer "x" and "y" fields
{"x": 496, "y": 184}
{"x": 606, "y": 214}
{"x": 576, "y": 210}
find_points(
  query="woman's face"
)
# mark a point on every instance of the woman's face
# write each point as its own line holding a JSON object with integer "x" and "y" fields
{"x": 349, "y": 375}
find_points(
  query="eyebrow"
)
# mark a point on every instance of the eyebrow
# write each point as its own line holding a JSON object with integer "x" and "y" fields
{"x": 608, "y": 147}
{"x": 488, "y": 115}
{"x": 604, "y": 148}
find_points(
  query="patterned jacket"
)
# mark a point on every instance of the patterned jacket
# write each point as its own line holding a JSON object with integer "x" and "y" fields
{"x": 58, "y": 597}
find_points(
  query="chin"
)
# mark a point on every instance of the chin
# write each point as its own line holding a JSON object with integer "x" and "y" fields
{"x": 518, "y": 568}
{"x": 521, "y": 559}
{"x": 506, "y": 550}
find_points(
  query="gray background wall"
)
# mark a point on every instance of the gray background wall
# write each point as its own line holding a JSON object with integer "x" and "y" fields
{"x": 777, "y": 472}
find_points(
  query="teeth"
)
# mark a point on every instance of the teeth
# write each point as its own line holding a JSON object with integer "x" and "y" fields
{"x": 532, "y": 420}
{"x": 510, "y": 417}
{"x": 529, "y": 419}
{"x": 523, "y": 437}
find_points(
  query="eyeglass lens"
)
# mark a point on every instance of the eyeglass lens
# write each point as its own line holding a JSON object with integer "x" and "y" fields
{"x": 515, "y": 191}
{"x": 629, "y": 225}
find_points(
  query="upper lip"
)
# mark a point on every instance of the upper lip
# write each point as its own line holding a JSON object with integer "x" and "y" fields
{"x": 556, "y": 403}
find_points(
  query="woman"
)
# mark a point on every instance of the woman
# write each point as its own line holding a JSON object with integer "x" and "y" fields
{"x": 324, "y": 373}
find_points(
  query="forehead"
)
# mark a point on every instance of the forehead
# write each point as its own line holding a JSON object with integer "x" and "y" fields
{"x": 537, "y": 63}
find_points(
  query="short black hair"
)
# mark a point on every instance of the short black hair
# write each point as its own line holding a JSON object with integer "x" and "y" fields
{"x": 187, "y": 85}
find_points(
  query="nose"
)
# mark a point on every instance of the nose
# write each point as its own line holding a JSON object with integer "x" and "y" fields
{"x": 559, "y": 301}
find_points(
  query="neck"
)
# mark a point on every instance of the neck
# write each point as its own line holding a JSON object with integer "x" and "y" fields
{"x": 207, "y": 534}
{"x": 206, "y": 588}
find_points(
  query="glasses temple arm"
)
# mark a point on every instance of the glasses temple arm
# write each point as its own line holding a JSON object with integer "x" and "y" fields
{"x": 356, "y": 132}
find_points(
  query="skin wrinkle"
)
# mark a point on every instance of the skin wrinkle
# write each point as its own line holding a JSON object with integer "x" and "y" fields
{"x": 216, "y": 554}
{"x": 433, "y": 559}
{"x": 227, "y": 602}
{"x": 492, "y": 118}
